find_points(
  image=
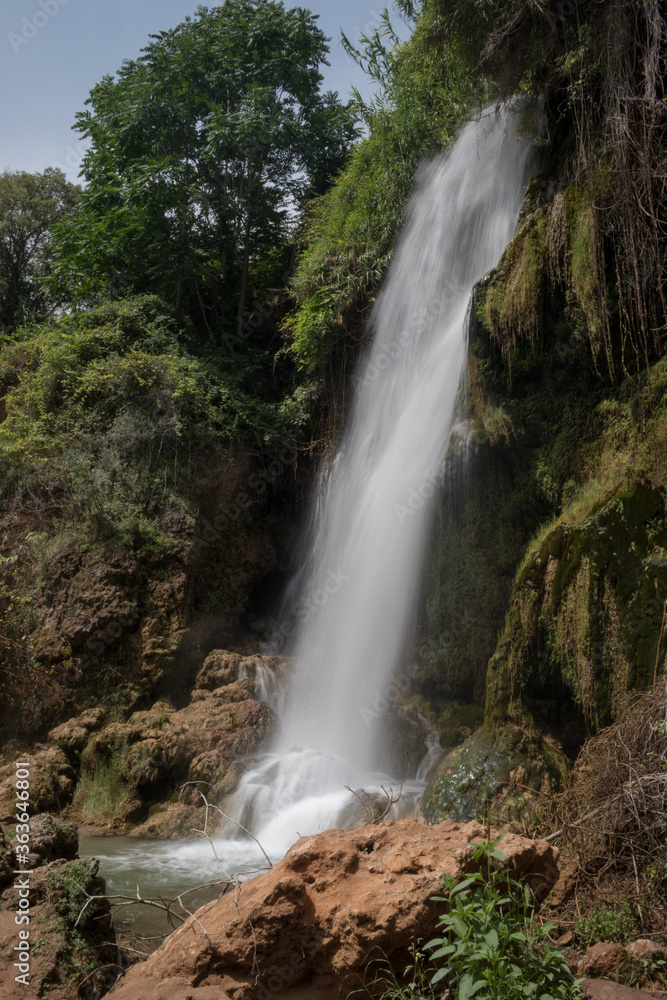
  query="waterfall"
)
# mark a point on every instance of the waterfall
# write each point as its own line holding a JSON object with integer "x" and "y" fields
{"x": 374, "y": 503}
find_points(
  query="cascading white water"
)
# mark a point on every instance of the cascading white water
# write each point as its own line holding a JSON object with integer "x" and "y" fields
{"x": 373, "y": 509}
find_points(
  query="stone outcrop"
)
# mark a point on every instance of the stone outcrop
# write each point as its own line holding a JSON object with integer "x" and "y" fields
{"x": 50, "y": 839}
{"x": 312, "y": 923}
{"x": 62, "y": 953}
{"x": 162, "y": 749}
{"x": 52, "y": 784}
{"x": 603, "y": 989}
{"x": 155, "y": 752}
{"x": 222, "y": 668}
{"x": 611, "y": 959}
{"x": 602, "y": 959}
{"x": 643, "y": 948}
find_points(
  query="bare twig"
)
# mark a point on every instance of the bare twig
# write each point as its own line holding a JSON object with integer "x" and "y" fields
{"x": 369, "y": 807}
{"x": 230, "y": 819}
{"x": 168, "y": 906}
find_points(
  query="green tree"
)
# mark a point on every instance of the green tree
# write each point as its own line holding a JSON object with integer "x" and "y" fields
{"x": 421, "y": 96}
{"x": 30, "y": 205}
{"x": 201, "y": 155}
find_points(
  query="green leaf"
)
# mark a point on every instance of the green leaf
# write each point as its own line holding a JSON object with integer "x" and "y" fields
{"x": 439, "y": 975}
{"x": 491, "y": 938}
{"x": 443, "y": 952}
{"x": 460, "y": 886}
{"x": 468, "y": 987}
{"x": 434, "y": 943}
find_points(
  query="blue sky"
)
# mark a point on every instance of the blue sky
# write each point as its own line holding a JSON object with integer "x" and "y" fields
{"x": 53, "y": 51}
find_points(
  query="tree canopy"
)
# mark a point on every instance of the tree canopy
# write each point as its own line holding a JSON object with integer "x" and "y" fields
{"x": 30, "y": 205}
{"x": 202, "y": 152}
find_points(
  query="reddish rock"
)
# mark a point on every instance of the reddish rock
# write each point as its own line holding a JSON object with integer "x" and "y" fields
{"x": 174, "y": 989}
{"x": 643, "y": 948}
{"x": 73, "y": 735}
{"x": 602, "y": 989}
{"x": 101, "y": 613}
{"x": 222, "y": 668}
{"x": 6, "y": 861}
{"x": 50, "y": 838}
{"x": 62, "y": 949}
{"x": 52, "y": 782}
{"x": 160, "y": 749}
{"x": 310, "y": 923}
{"x": 603, "y": 958}
{"x": 564, "y": 888}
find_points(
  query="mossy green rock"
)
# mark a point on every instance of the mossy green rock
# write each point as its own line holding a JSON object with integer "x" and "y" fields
{"x": 465, "y": 781}
{"x": 585, "y": 623}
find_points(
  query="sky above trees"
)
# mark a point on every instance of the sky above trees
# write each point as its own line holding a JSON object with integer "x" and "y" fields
{"x": 54, "y": 51}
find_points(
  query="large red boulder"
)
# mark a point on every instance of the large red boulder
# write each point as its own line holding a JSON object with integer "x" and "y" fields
{"x": 313, "y": 922}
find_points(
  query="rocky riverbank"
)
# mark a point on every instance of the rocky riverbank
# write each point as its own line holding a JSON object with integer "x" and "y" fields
{"x": 49, "y": 944}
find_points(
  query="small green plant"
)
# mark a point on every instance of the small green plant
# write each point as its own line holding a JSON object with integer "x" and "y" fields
{"x": 492, "y": 945}
{"x": 381, "y": 977}
{"x": 78, "y": 879}
{"x": 215, "y": 599}
{"x": 655, "y": 874}
{"x": 648, "y": 971}
{"x": 615, "y": 923}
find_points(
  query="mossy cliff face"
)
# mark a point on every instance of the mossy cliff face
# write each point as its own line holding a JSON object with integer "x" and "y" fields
{"x": 83, "y": 621}
{"x": 585, "y": 623}
{"x": 479, "y": 537}
{"x": 550, "y": 562}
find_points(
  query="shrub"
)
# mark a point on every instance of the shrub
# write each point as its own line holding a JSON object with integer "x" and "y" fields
{"x": 102, "y": 789}
{"x": 492, "y": 945}
{"x": 609, "y": 923}
{"x": 421, "y": 99}
{"x": 615, "y": 809}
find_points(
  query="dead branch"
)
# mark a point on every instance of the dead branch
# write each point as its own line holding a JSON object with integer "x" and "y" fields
{"x": 369, "y": 807}
{"x": 628, "y": 760}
